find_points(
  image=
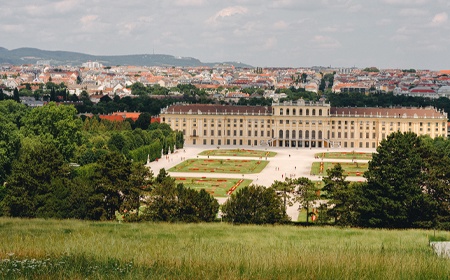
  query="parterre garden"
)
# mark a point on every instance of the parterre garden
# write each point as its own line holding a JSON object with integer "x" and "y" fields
{"x": 238, "y": 153}
{"x": 351, "y": 168}
{"x": 218, "y": 187}
{"x": 220, "y": 166}
{"x": 345, "y": 155}
{"x": 221, "y": 187}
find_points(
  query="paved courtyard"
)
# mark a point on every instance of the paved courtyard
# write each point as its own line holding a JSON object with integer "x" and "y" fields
{"x": 290, "y": 162}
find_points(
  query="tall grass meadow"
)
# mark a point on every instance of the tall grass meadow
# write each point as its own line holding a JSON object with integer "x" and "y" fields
{"x": 69, "y": 249}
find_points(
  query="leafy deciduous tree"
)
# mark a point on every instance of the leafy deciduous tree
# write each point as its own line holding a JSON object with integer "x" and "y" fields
{"x": 254, "y": 205}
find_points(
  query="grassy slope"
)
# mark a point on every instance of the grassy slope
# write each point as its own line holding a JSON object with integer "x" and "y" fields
{"x": 99, "y": 250}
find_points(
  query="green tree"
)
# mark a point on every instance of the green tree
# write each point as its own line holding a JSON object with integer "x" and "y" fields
{"x": 336, "y": 188}
{"x": 179, "y": 139}
{"x": 170, "y": 203}
{"x": 56, "y": 123}
{"x": 9, "y": 145}
{"x": 16, "y": 96}
{"x": 190, "y": 203}
{"x": 143, "y": 121}
{"x": 162, "y": 202}
{"x": 117, "y": 142}
{"x": 139, "y": 89}
{"x": 254, "y": 205}
{"x": 285, "y": 189}
{"x": 306, "y": 194}
{"x": 30, "y": 187}
{"x": 162, "y": 175}
{"x": 141, "y": 179}
{"x": 436, "y": 187}
{"x": 207, "y": 206}
{"x": 112, "y": 185}
{"x": 394, "y": 196}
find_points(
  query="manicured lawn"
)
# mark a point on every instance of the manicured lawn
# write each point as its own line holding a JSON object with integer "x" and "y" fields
{"x": 238, "y": 153}
{"x": 69, "y": 249}
{"x": 218, "y": 187}
{"x": 345, "y": 155}
{"x": 220, "y": 166}
{"x": 351, "y": 168}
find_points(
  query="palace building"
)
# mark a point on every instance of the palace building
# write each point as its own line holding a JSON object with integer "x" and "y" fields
{"x": 300, "y": 124}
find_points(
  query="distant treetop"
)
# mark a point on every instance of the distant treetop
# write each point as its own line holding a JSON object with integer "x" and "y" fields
{"x": 371, "y": 69}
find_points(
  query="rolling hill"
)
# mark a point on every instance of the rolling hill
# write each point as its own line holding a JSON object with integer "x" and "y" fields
{"x": 32, "y": 56}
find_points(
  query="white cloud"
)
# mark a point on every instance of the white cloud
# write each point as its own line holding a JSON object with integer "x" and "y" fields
{"x": 227, "y": 12}
{"x": 88, "y": 22}
{"x": 439, "y": 19}
{"x": 281, "y": 25}
{"x": 65, "y": 6}
{"x": 400, "y": 38}
{"x": 34, "y": 10}
{"x": 185, "y": 3}
{"x": 413, "y": 12}
{"x": 245, "y": 30}
{"x": 329, "y": 29}
{"x": 406, "y": 2}
{"x": 12, "y": 28}
{"x": 325, "y": 42}
{"x": 295, "y": 4}
{"x": 406, "y": 30}
{"x": 248, "y": 30}
{"x": 88, "y": 19}
{"x": 336, "y": 28}
{"x": 270, "y": 43}
{"x": 384, "y": 22}
{"x": 355, "y": 8}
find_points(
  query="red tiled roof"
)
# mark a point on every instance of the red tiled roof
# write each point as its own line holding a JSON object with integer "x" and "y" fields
{"x": 220, "y": 109}
{"x": 120, "y": 116}
{"x": 113, "y": 118}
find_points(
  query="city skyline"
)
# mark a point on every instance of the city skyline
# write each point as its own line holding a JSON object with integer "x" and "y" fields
{"x": 285, "y": 33}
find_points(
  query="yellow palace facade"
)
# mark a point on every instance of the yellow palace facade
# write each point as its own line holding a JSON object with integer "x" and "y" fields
{"x": 300, "y": 124}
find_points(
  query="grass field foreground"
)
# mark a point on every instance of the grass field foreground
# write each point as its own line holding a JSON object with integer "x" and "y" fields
{"x": 234, "y": 166}
{"x": 218, "y": 187}
{"x": 56, "y": 249}
{"x": 238, "y": 153}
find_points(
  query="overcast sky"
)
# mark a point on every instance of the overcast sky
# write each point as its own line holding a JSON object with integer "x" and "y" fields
{"x": 284, "y": 33}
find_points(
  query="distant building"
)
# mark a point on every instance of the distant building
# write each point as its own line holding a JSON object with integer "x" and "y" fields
{"x": 299, "y": 124}
{"x": 92, "y": 64}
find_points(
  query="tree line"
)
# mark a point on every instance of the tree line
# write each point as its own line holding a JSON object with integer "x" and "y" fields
{"x": 408, "y": 186}
{"x": 355, "y": 99}
{"x": 54, "y": 164}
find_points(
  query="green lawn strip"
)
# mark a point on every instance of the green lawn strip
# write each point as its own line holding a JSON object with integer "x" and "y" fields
{"x": 218, "y": 187}
{"x": 233, "y": 166}
{"x": 238, "y": 153}
{"x": 344, "y": 155}
{"x": 351, "y": 168}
